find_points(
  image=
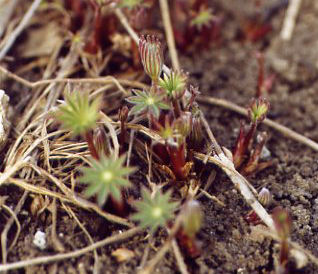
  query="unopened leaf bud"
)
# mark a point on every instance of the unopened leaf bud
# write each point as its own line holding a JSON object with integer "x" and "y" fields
{"x": 264, "y": 196}
{"x": 192, "y": 218}
{"x": 151, "y": 55}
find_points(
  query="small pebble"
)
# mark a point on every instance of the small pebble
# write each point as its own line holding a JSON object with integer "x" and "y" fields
{"x": 40, "y": 240}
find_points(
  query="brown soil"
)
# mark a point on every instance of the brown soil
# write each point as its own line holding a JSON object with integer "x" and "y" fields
{"x": 229, "y": 71}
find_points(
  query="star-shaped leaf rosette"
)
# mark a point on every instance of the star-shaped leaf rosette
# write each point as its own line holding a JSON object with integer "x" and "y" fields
{"x": 147, "y": 102}
{"x": 154, "y": 211}
{"x": 106, "y": 177}
{"x": 78, "y": 114}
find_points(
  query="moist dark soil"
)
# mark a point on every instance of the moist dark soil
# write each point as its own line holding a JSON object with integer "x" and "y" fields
{"x": 227, "y": 70}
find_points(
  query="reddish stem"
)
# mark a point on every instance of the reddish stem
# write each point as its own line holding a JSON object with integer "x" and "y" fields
{"x": 249, "y": 137}
{"x": 283, "y": 256}
{"x": 91, "y": 146}
{"x": 176, "y": 108}
{"x": 189, "y": 245}
{"x": 118, "y": 207}
{"x": 178, "y": 161}
{"x": 260, "y": 80}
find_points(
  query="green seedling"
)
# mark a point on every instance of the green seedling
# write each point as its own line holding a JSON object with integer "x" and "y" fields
{"x": 258, "y": 110}
{"x": 149, "y": 102}
{"x": 79, "y": 114}
{"x": 154, "y": 211}
{"x": 283, "y": 225}
{"x": 203, "y": 18}
{"x": 265, "y": 198}
{"x": 130, "y": 4}
{"x": 245, "y": 158}
{"x": 192, "y": 219}
{"x": 195, "y": 25}
{"x": 106, "y": 177}
{"x": 174, "y": 135}
{"x": 177, "y": 121}
{"x": 174, "y": 85}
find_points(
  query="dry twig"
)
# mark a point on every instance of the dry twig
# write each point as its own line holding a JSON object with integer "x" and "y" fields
{"x": 290, "y": 19}
{"x": 169, "y": 34}
{"x": 14, "y": 35}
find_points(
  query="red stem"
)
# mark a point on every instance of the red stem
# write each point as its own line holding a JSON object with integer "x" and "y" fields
{"x": 176, "y": 108}
{"x": 177, "y": 158}
{"x": 283, "y": 256}
{"x": 122, "y": 137}
{"x": 260, "y": 80}
{"x": 249, "y": 137}
{"x": 91, "y": 146}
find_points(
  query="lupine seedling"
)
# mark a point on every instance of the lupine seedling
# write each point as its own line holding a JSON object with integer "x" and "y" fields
{"x": 283, "y": 225}
{"x": 192, "y": 219}
{"x": 106, "y": 177}
{"x": 203, "y": 18}
{"x": 194, "y": 24}
{"x": 79, "y": 114}
{"x": 171, "y": 110}
{"x": 154, "y": 211}
{"x": 147, "y": 102}
{"x": 245, "y": 157}
{"x": 174, "y": 85}
{"x": 265, "y": 198}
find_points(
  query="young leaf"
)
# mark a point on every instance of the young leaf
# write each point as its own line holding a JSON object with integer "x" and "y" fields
{"x": 258, "y": 110}
{"x": 174, "y": 84}
{"x": 203, "y": 18}
{"x": 130, "y": 4}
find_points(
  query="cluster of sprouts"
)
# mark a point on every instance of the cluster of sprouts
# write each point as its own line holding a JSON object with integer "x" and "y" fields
{"x": 168, "y": 108}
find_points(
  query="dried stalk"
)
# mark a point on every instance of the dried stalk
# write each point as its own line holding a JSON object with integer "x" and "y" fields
{"x": 290, "y": 19}
{"x": 169, "y": 34}
{"x": 14, "y": 35}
